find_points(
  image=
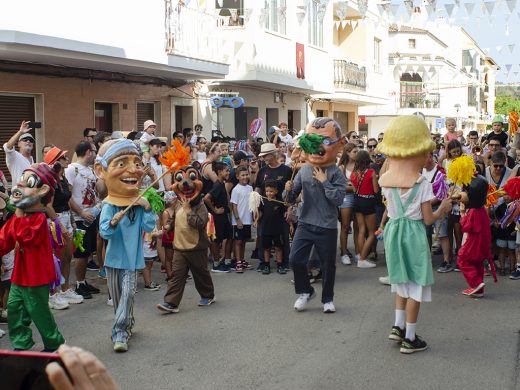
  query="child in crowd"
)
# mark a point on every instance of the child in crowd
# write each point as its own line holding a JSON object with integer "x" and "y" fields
{"x": 515, "y": 275}
{"x": 477, "y": 244}
{"x": 451, "y": 134}
{"x": 282, "y": 158}
{"x": 272, "y": 213}
{"x": 364, "y": 181}
{"x": 407, "y": 143}
{"x": 150, "y": 255}
{"x": 241, "y": 217}
{"x": 144, "y": 142}
{"x": 224, "y": 157}
{"x": 217, "y": 202}
{"x": 170, "y": 200}
{"x": 505, "y": 240}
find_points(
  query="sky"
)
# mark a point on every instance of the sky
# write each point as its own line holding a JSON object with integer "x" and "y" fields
{"x": 490, "y": 22}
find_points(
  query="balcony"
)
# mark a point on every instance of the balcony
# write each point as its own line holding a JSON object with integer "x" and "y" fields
{"x": 420, "y": 100}
{"x": 192, "y": 33}
{"x": 348, "y": 75}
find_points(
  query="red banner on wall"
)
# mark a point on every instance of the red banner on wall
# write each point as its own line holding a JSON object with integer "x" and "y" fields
{"x": 361, "y": 119}
{"x": 300, "y": 60}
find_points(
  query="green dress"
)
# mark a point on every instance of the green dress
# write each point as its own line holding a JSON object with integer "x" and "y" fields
{"x": 407, "y": 251}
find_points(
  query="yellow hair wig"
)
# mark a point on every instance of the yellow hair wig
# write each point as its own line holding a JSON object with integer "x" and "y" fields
{"x": 461, "y": 170}
{"x": 406, "y": 136}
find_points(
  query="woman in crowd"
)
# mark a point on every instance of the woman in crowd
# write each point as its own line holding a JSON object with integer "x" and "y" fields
{"x": 207, "y": 174}
{"x": 346, "y": 165}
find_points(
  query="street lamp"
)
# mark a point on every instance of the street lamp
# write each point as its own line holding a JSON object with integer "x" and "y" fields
{"x": 457, "y": 108}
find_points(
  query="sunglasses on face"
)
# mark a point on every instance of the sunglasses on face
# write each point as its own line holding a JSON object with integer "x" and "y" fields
{"x": 498, "y": 166}
{"x": 354, "y": 136}
{"x": 328, "y": 141}
{"x": 494, "y": 145}
{"x": 371, "y": 146}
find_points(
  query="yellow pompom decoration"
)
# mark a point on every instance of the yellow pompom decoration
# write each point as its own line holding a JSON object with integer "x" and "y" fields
{"x": 461, "y": 170}
{"x": 406, "y": 136}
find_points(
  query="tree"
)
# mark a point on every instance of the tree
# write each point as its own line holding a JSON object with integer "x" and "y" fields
{"x": 505, "y": 104}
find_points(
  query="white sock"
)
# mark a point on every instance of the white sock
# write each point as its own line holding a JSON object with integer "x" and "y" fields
{"x": 80, "y": 282}
{"x": 400, "y": 318}
{"x": 410, "y": 331}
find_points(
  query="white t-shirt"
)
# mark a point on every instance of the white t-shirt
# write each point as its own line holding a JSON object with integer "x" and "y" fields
{"x": 158, "y": 169}
{"x": 424, "y": 194}
{"x": 145, "y": 140}
{"x": 16, "y": 163}
{"x": 148, "y": 250}
{"x": 240, "y": 197}
{"x": 285, "y": 138}
{"x": 83, "y": 182}
{"x": 8, "y": 262}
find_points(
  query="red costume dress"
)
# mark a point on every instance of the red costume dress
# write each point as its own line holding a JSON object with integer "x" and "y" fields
{"x": 32, "y": 274}
{"x": 476, "y": 247}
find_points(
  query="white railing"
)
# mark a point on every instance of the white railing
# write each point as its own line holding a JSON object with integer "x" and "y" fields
{"x": 191, "y": 32}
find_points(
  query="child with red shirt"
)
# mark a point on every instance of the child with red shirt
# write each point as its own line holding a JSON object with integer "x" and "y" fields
{"x": 364, "y": 181}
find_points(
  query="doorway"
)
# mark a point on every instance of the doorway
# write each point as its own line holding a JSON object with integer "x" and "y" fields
{"x": 294, "y": 120}
{"x": 342, "y": 118}
{"x": 183, "y": 117}
{"x": 104, "y": 116}
{"x": 243, "y": 117}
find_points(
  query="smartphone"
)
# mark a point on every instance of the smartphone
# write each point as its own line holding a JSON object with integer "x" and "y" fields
{"x": 35, "y": 125}
{"x": 25, "y": 369}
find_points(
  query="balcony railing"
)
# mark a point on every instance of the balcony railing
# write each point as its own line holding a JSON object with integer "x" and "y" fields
{"x": 191, "y": 33}
{"x": 420, "y": 100}
{"x": 348, "y": 75}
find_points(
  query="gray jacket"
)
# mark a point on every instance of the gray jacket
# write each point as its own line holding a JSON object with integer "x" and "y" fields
{"x": 320, "y": 200}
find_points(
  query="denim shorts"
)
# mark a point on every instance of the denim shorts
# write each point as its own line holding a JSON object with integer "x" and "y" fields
{"x": 442, "y": 224}
{"x": 509, "y": 244}
{"x": 348, "y": 201}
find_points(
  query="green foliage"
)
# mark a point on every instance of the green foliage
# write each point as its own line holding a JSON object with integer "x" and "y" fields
{"x": 505, "y": 104}
{"x": 155, "y": 200}
{"x": 310, "y": 143}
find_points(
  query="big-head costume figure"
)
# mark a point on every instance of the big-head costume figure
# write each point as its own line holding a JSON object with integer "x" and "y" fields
{"x": 323, "y": 187}
{"x": 28, "y": 233}
{"x": 407, "y": 145}
{"x": 119, "y": 164}
{"x": 477, "y": 244}
{"x": 190, "y": 242}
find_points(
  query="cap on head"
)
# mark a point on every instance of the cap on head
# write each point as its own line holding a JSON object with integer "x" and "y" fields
{"x": 497, "y": 119}
{"x": 149, "y": 123}
{"x": 406, "y": 136}
{"x": 239, "y": 155}
{"x": 26, "y": 136}
{"x": 267, "y": 148}
{"x": 47, "y": 174}
{"x": 53, "y": 155}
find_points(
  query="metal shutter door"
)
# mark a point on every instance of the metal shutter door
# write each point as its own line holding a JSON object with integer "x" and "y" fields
{"x": 145, "y": 111}
{"x": 13, "y": 110}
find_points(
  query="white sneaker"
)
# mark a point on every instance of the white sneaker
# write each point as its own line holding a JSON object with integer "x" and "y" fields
{"x": 357, "y": 257}
{"x": 329, "y": 307}
{"x": 366, "y": 264}
{"x": 345, "y": 260}
{"x": 302, "y": 300}
{"x": 57, "y": 303}
{"x": 71, "y": 296}
{"x": 110, "y": 302}
{"x": 2, "y": 333}
{"x": 385, "y": 280}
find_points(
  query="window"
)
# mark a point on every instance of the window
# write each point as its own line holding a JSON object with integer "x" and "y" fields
{"x": 230, "y": 12}
{"x": 472, "y": 96}
{"x": 316, "y": 12}
{"x": 411, "y": 43}
{"x": 412, "y": 94}
{"x": 145, "y": 111}
{"x": 275, "y": 15}
{"x": 377, "y": 55}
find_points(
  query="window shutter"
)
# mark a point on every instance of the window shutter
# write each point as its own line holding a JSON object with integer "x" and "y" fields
{"x": 145, "y": 111}
{"x": 13, "y": 110}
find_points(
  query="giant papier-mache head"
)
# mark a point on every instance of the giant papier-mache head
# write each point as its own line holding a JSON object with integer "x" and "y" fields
{"x": 187, "y": 184}
{"x": 119, "y": 164}
{"x": 321, "y": 142}
{"x": 36, "y": 187}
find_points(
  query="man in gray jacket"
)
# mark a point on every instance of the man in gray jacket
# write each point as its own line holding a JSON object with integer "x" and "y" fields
{"x": 324, "y": 187}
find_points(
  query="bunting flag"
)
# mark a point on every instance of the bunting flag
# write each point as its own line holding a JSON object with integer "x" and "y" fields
{"x": 499, "y": 48}
{"x": 393, "y": 9}
{"x": 506, "y": 32}
{"x": 511, "y": 47}
{"x": 489, "y": 6}
{"x": 511, "y": 4}
{"x": 449, "y": 9}
{"x": 508, "y": 67}
{"x": 469, "y": 8}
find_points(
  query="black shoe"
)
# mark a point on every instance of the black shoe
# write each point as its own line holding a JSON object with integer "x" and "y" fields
{"x": 266, "y": 270}
{"x": 3, "y": 320}
{"x": 92, "y": 289}
{"x": 254, "y": 254}
{"x": 397, "y": 334}
{"x": 92, "y": 266}
{"x": 82, "y": 290}
{"x": 408, "y": 346}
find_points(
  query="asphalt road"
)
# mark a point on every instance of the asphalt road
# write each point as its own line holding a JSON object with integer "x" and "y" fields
{"x": 252, "y": 338}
